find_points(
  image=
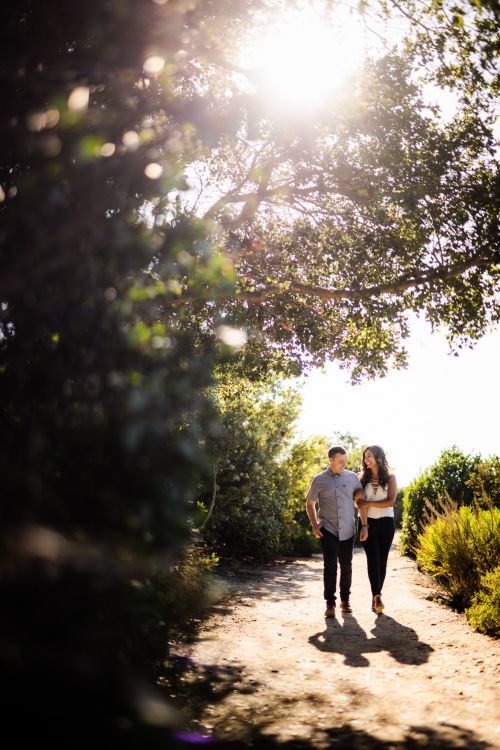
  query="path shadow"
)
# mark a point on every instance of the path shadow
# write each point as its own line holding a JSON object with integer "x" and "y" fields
{"x": 400, "y": 641}
{"x": 346, "y": 737}
{"x": 347, "y": 637}
{"x": 250, "y": 725}
{"x": 285, "y": 583}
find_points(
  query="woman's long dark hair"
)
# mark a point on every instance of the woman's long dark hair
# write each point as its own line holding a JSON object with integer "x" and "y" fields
{"x": 383, "y": 466}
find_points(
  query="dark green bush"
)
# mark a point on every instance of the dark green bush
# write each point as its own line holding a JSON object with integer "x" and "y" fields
{"x": 484, "y": 612}
{"x": 485, "y": 481}
{"x": 248, "y": 518}
{"x": 448, "y": 477}
{"x": 398, "y": 508}
{"x": 262, "y": 474}
{"x": 305, "y": 459}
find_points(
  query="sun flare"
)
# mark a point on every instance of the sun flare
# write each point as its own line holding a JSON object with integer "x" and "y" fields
{"x": 305, "y": 58}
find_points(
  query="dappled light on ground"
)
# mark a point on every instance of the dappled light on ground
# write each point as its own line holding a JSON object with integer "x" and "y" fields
{"x": 280, "y": 674}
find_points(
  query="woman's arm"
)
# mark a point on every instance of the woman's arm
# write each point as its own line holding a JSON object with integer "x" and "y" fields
{"x": 392, "y": 491}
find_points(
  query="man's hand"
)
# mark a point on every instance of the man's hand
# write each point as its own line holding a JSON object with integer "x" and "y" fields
{"x": 363, "y": 534}
{"x": 313, "y": 518}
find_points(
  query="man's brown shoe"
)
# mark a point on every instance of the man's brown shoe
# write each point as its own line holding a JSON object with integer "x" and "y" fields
{"x": 345, "y": 607}
{"x": 378, "y": 604}
{"x": 330, "y": 610}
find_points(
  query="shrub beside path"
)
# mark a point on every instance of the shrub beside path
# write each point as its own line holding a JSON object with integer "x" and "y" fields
{"x": 416, "y": 676}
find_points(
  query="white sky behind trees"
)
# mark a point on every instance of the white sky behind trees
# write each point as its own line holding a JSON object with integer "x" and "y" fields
{"x": 439, "y": 401}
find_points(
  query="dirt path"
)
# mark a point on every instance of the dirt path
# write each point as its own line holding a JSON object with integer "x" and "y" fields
{"x": 417, "y": 676}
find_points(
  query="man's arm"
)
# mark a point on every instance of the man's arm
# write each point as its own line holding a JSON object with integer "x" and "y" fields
{"x": 311, "y": 514}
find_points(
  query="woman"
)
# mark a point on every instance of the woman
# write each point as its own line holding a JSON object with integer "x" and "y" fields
{"x": 380, "y": 492}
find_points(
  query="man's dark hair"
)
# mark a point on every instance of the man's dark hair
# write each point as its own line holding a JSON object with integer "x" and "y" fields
{"x": 336, "y": 449}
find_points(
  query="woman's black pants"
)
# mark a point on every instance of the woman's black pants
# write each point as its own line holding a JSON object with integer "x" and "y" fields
{"x": 377, "y": 546}
{"x": 336, "y": 552}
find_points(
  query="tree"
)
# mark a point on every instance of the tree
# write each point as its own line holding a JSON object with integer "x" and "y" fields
{"x": 337, "y": 225}
{"x": 257, "y": 421}
{"x": 306, "y": 458}
{"x": 341, "y": 223}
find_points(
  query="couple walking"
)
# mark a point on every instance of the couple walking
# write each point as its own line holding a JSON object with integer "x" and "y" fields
{"x": 337, "y": 492}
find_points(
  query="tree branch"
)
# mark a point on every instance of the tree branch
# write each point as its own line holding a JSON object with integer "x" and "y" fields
{"x": 409, "y": 16}
{"x": 253, "y": 200}
{"x": 212, "y": 503}
{"x": 400, "y": 285}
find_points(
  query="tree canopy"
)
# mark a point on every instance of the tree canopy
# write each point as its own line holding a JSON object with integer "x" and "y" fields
{"x": 340, "y": 220}
{"x": 337, "y": 230}
{"x": 334, "y": 223}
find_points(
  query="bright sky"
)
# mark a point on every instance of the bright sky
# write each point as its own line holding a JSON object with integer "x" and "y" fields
{"x": 306, "y": 55}
{"x": 438, "y": 401}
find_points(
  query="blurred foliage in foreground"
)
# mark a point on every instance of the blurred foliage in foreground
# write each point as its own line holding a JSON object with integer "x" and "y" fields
{"x": 103, "y": 404}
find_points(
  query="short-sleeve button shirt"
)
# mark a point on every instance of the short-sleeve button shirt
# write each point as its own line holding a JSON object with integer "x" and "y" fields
{"x": 335, "y": 496}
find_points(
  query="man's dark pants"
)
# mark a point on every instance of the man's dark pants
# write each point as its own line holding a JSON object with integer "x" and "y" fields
{"x": 335, "y": 551}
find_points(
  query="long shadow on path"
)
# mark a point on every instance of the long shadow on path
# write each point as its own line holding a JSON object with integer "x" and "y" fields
{"x": 348, "y": 638}
{"x": 348, "y": 738}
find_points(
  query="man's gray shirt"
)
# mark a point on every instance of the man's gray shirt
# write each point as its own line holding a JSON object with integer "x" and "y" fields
{"x": 335, "y": 493}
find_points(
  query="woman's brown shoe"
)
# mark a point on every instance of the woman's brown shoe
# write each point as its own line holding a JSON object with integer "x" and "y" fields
{"x": 378, "y": 604}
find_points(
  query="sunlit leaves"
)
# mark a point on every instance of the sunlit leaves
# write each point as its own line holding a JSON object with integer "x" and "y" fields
{"x": 257, "y": 422}
{"x": 329, "y": 228}
{"x": 458, "y": 44}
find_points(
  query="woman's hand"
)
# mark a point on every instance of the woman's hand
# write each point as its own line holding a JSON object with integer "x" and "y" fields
{"x": 363, "y": 533}
{"x": 363, "y": 504}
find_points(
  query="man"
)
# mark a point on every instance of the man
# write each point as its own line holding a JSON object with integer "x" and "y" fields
{"x": 336, "y": 490}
